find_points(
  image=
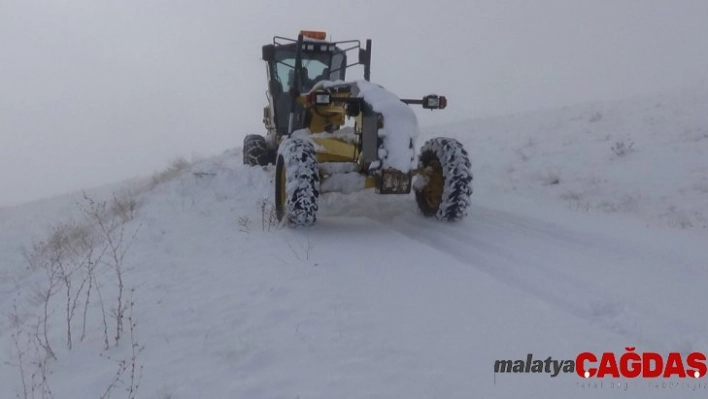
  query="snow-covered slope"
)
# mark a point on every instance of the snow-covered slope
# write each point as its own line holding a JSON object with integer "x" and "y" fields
{"x": 644, "y": 158}
{"x": 376, "y": 301}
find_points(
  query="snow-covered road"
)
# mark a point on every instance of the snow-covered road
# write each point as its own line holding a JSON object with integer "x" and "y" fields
{"x": 376, "y": 301}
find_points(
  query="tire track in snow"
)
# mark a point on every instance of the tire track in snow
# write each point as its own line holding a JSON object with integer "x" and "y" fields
{"x": 552, "y": 264}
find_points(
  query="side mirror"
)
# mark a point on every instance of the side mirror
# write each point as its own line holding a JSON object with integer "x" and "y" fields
{"x": 268, "y": 53}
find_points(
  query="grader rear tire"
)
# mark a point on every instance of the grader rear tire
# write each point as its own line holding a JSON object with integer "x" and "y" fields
{"x": 256, "y": 151}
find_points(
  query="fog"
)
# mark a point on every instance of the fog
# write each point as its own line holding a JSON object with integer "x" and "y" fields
{"x": 95, "y": 91}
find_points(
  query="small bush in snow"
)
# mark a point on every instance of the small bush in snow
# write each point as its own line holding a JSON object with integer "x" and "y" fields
{"x": 676, "y": 218}
{"x": 621, "y": 149}
{"x": 302, "y": 249}
{"x": 596, "y": 117}
{"x": 175, "y": 168}
{"x": 551, "y": 178}
{"x": 123, "y": 207}
{"x": 76, "y": 263}
{"x": 522, "y": 151}
{"x": 576, "y": 200}
{"x": 244, "y": 223}
{"x": 269, "y": 217}
{"x": 626, "y": 203}
{"x": 129, "y": 372}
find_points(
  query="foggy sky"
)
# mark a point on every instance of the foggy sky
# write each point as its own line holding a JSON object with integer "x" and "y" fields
{"x": 95, "y": 91}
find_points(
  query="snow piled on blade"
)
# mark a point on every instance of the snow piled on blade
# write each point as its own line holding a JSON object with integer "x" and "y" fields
{"x": 400, "y": 126}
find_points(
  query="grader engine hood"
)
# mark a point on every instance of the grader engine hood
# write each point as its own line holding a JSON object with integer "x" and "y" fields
{"x": 398, "y": 126}
{"x": 388, "y": 126}
{"x": 386, "y": 130}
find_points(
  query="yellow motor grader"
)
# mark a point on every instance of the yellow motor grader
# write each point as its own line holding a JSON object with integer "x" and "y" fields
{"x": 315, "y": 151}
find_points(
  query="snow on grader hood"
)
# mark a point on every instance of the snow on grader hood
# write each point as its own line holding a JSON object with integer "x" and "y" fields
{"x": 399, "y": 128}
{"x": 325, "y": 134}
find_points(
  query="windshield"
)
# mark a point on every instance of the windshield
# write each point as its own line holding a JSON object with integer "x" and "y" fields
{"x": 315, "y": 67}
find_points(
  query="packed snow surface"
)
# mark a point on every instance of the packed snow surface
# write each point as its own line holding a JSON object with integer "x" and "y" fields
{"x": 571, "y": 245}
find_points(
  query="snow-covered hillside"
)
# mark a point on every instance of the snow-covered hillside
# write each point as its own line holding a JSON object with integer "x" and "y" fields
{"x": 570, "y": 246}
{"x": 645, "y": 158}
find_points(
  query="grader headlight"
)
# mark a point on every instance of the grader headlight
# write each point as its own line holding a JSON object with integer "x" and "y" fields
{"x": 323, "y": 99}
{"x": 319, "y": 98}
